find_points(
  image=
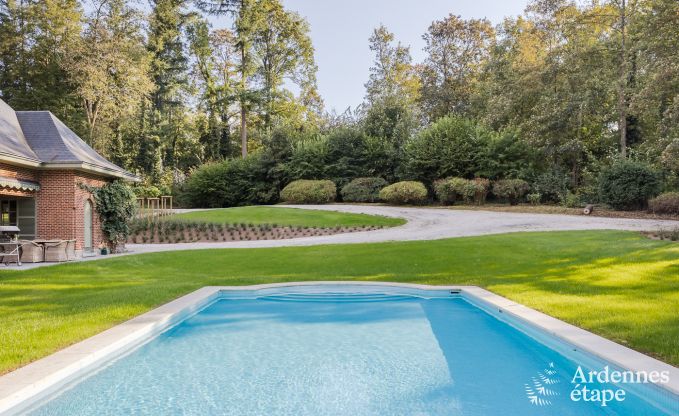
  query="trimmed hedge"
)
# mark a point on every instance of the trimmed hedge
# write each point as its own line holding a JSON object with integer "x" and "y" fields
{"x": 406, "y": 192}
{"x": 511, "y": 189}
{"x": 479, "y": 190}
{"x": 450, "y": 190}
{"x": 363, "y": 190}
{"x": 309, "y": 192}
{"x": 628, "y": 185}
{"x": 667, "y": 203}
{"x": 230, "y": 183}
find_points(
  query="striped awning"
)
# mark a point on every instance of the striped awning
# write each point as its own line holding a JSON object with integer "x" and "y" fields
{"x": 18, "y": 184}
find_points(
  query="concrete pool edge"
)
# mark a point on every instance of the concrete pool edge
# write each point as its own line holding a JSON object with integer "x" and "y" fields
{"x": 26, "y": 385}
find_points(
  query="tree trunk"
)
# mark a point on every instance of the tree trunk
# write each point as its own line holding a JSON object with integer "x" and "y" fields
{"x": 622, "y": 122}
{"x": 243, "y": 109}
{"x": 243, "y": 131}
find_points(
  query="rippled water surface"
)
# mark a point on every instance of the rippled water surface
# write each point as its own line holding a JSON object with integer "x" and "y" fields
{"x": 369, "y": 354}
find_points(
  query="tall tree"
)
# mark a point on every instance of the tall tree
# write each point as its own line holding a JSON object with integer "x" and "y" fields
{"x": 456, "y": 50}
{"x": 282, "y": 52}
{"x": 36, "y": 37}
{"x": 392, "y": 74}
{"x": 109, "y": 69}
{"x": 215, "y": 62}
{"x": 169, "y": 71}
{"x": 246, "y": 23}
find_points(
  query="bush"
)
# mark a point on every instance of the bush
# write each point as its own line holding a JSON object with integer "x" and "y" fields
{"x": 553, "y": 186}
{"x": 233, "y": 182}
{"x": 452, "y": 146}
{"x": 534, "y": 198}
{"x": 450, "y": 190}
{"x": 667, "y": 203}
{"x": 509, "y": 155}
{"x": 146, "y": 191}
{"x": 480, "y": 188}
{"x": 363, "y": 190}
{"x": 571, "y": 200}
{"x": 406, "y": 192}
{"x": 511, "y": 189}
{"x": 341, "y": 155}
{"x": 628, "y": 185}
{"x": 306, "y": 191}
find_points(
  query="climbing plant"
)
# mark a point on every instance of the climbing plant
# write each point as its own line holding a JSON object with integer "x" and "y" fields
{"x": 115, "y": 205}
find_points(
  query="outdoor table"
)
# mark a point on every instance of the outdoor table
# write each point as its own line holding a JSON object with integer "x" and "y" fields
{"x": 55, "y": 250}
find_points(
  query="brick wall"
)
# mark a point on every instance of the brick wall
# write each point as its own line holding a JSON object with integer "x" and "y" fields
{"x": 55, "y": 205}
{"x": 17, "y": 172}
{"x": 60, "y": 203}
{"x": 61, "y": 206}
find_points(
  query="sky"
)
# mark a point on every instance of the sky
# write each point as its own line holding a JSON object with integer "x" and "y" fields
{"x": 340, "y": 30}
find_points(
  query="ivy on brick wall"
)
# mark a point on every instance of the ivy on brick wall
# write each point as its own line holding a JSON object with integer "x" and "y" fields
{"x": 116, "y": 206}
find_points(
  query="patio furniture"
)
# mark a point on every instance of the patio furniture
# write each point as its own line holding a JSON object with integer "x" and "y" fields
{"x": 56, "y": 251}
{"x": 10, "y": 249}
{"x": 70, "y": 250}
{"x": 32, "y": 252}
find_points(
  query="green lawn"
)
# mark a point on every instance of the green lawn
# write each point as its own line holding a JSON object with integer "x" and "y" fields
{"x": 617, "y": 284}
{"x": 287, "y": 216}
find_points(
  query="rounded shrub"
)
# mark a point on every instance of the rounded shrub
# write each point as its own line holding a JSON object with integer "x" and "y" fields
{"x": 363, "y": 190}
{"x": 479, "y": 188}
{"x": 511, "y": 189}
{"x": 667, "y": 203}
{"x": 406, "y": 192}
{"x": 305, "y": 191}
{"x": 628, "y": 185}
{"x": 450, "y": 190}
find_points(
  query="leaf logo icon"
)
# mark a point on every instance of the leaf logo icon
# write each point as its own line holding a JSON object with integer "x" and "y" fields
{"x": 537, "y": 391}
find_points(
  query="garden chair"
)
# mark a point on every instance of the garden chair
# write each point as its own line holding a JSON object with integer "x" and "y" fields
{"x": 56, "y": 251}
{"x": 70, "y": 250}
{"x": 32, "y": 252}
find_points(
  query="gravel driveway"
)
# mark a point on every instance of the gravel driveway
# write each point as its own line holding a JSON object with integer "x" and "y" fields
{"x": 432, "y": 224}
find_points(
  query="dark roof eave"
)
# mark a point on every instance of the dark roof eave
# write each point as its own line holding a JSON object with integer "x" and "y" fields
{"x": 91, "y": 168}
{"x": 82, "y": 166}
{"x": 19, "y": 160}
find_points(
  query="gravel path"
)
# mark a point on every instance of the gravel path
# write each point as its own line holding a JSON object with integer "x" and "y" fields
{"x": 432, "y": 224}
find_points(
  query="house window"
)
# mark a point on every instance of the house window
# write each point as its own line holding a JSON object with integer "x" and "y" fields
{"x": 26, "y": 218}
{"x": 21, "y": 213}
{"x": 8, "y": 212}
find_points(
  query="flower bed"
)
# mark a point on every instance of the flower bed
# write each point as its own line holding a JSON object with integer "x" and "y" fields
{"x": 167, "y": 231}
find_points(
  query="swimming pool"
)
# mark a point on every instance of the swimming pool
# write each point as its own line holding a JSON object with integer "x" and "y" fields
{"x": 349, "y": 350}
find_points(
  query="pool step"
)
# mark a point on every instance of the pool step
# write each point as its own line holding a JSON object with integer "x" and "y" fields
{"x": 336, "y": 297}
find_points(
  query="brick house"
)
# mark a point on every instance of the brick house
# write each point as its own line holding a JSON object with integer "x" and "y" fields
{"x": 42, "y": 164}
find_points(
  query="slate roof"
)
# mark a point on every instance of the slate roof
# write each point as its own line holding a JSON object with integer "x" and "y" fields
{"x": 42, "y": 137}
{"x": 12, "y": 140}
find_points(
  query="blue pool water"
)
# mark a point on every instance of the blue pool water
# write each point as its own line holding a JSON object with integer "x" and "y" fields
{"x": 367, "y": 353}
